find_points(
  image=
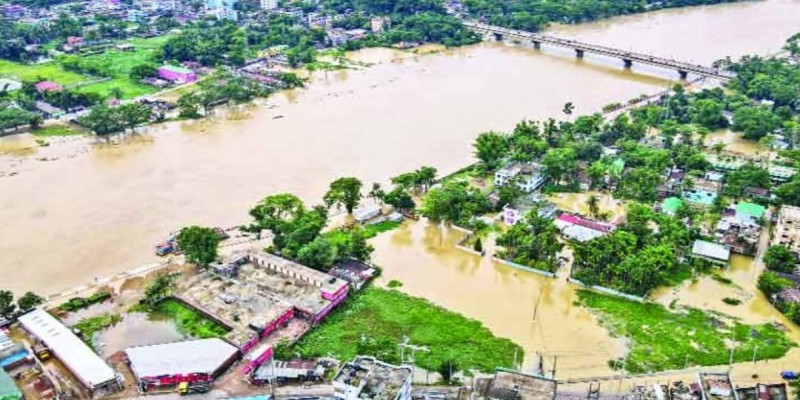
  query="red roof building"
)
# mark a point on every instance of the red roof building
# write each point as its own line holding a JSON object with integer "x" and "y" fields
{"x": 46, "y": 86}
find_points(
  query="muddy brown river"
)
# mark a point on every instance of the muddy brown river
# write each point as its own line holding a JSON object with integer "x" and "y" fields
{"x": 75, "y": 210}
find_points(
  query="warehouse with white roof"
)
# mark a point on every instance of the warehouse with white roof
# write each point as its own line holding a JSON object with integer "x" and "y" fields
{"x": 87, "y": 366}
{"x": 169, "y": 364}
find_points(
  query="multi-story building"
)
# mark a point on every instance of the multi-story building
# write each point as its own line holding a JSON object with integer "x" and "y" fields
{"x": 223, "y": 9}
{"x": 367, "y": 378}
{"x": 787, "y": 229}
{"x": 527, "y": 177}
{"x": 269, "y": 4}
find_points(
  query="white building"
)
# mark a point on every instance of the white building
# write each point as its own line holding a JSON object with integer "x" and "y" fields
{"x": 87, "y": 366}
{"x": 787, "y": 230}
{"x": 223, "y": 9}
{"x": 527, "y": 177}
{"x": 367, "y": 378}
{"x": 269, "y": 4}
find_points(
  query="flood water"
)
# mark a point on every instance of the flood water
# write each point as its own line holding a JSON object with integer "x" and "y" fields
{"x": 88, "y": 213}
{"x": 535, "y": 312}
{"x": 79, "y": 216}
{"x": 136, "y": 329}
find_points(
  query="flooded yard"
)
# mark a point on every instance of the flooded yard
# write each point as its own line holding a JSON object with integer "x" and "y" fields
{"x": 534, "y": 311}
{"x": 136, "y": 329}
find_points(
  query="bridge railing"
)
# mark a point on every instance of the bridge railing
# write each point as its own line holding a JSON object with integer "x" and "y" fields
{"x": 603, "y": 50}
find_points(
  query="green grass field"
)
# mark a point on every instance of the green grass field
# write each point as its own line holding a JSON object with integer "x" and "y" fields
{"x": 375, "y": 320}
{"x": 129, "y": 88}
{"x": 55, "y": 130}
{"x": 660, "y": 339}
{"x": 119, "y": 63}
{"x": 49, "y": 71}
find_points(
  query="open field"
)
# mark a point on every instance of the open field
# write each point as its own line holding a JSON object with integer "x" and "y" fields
{"x": 119, "y": 64}
{"x": 376, "y": 320}
{"x": 50, "y": 71}
{"x": 660, "y": 339}
{"x": 129, "y": 88}
{"x": 55, "y": 130}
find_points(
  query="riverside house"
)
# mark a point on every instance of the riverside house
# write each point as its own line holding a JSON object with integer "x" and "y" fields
{"x": 176, "y": 74}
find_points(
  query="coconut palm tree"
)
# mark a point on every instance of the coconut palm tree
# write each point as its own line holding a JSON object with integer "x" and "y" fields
{"x": 594, "y": 206}
{"x": 377, "y": 193}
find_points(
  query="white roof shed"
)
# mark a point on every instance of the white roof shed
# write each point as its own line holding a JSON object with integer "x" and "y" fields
{"x": 711, "y": 250}
{"x": 204, "y": 356}
{"x": 87, "y": 366}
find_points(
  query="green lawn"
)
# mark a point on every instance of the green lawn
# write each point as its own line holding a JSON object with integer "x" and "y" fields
{"x": 375, "y": 320}
{"x": 119, "y": 62}
{"x": 55, "y": 130}
{"x": 189, "y": 321}
{"x": 129, "y": 88}
{"x": 50, "y": 71}
{"x": 661, "y": 340}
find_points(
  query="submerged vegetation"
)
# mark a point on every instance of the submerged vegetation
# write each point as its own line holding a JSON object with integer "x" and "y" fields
{"x": 660, "y": 339}
{"x": 375, "y": 321}
{"x": 89, "y": 326}
{"x": 189, "y": 321}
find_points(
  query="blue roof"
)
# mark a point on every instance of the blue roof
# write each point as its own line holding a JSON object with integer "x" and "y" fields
{"x": 702, "y": 197}
{"x": 13, "y": 358}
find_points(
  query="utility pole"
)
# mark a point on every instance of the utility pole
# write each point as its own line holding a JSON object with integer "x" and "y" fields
{"x": 536, "y": 306}
{"x": 686, "y": 363}
{"x": 755, "y": 351}
{"x": 555, "y": 360}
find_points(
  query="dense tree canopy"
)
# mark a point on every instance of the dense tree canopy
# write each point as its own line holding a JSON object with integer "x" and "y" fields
{"x": 199, "y": 244}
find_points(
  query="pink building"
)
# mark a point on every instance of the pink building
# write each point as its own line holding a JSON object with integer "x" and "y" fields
{"x": 75, "y": 40}
{"x": 46, "y": 86}
{"x": 176, "y": 74}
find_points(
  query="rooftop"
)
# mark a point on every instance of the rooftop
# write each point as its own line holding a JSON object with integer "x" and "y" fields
{"x": 87, "y": 366}
{"x": 670, "y": 205}
{"x": 711, "y": 250}
{"x": 203, "y": 356}
{"x": 378, "y": 380}
{"x": 519, "y": 385}
{"x": 745, "y": 209}
{"x": 265, "y": 288}
{"x": 175, "y": 68}
{"x": 701, "y": 197}
{"x": 8, "y": 389}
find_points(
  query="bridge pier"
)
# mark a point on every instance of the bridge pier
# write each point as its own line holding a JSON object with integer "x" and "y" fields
{"x": 498, "y": 37}
{"x": 537, "y": 45}
{"x": 628, "y": 63}
{"x": 579, "y": 53}
{"x": 683, "y": 75}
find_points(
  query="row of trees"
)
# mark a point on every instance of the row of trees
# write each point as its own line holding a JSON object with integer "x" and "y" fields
{"x": 105, "y": 120}
{"x": 533, "y": 15}
{"x": 10, "y": 309}
{"x": 12, "y": 118}
{"x": 227, "y": 88}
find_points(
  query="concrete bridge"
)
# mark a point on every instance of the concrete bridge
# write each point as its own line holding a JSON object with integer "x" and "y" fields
{"x": 580, "y": 48}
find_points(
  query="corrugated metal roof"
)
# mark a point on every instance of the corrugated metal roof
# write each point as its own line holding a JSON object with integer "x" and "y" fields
{"x": 180, "y": 358}
{"x": 87, "y": 366}
{"x": 711, "y": 250}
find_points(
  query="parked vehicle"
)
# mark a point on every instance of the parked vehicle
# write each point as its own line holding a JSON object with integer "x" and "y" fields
{"x": 789, "y": 375}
